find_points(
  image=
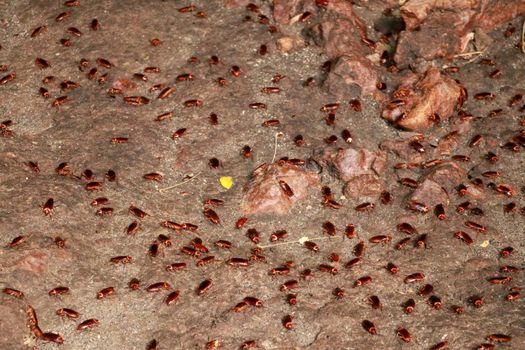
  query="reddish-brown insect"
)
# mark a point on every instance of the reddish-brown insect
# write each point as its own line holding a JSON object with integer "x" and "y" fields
{"x": 104, "y": 211}
{"x": 13, "y": 292}
{"x": 92, "y": 73}
{"x": 291, "y": 299}
{"x": 311, "y": 245}
{"x": 153, "y": 249}
{"x": 6, "y": 79}
{"x": 365, "y": 206}
{"x": 499, "y": 338}
{"x": 59, "y": 101}
{"x": 415, "y": 277}
{"x": 339, "y": 293}
{"x": 152, "y": 345}
{"x": 212, "y": 216}
{"x": 111, "y": 176}
{"x": 425, "y": 290}
{"x": 193, "y": 103}
{"x": 271, "y": 122}
{"x": 421, "y": 241}
{"x": 359, "y": 249}
{"x": 271, "y": 90}
{"x": 69, "y": 313}
{"x": 52, "y": 337}
{"x": 346, "y": 136}
{"x": 238, "y": 262}
{"x": 74, "y": 31}
{"x": 95, "y": 24}
{"x": 205, "y": 261}
{"x": 172, "y": 297}
{"x": 134, "y": 284}
{"x": 105, "y": 292}
{"x": 463, "y": 236}
{"x": 417, "y": 206}
{"x": 374, "y": 301}
{"x": 166, "y": 92}
{"x": 475, "y": 226}
{"x": 439, "y": 211}
{"x": 355, "y": 105}
{"x": 361, "y": 281}
{"x": 72, "y": 3}
{"x": 393, "y": 269}
{"x": 119, "y": 140}
{"x": 485, "y": 96}
{"x": 499, "y": 280}
{"x": 59, "y": 290}
{"x": 137, "y": 212}
{"x": 380, "y": 239}
{"x": 38, "y": 30}
{"x": 47, "y": 208}
{"x": 155, "y": 42}
{"x": 136, "y": 100}
{"x": 17, "y": 241}
{"x": 42, "y": 63}
{"x": 223, "y": 244}
{"x": 124, "y": 259}
{"x": 287, "y": 322}
{"x": 153, "y": 176}
{"x": 409, "y": 306}
{"x": 235, "y": 71}
{"x": 435, "y": 302}
{"x": 406, "y": 228}
{"x": 91, "y": 323}
{"x": 62, "y": 16}
{"x": 179, "y": 133}
{"x": 60, "y": 242}
{"x": 133, "y": 228}
{"x": 350, "y": 231}
{"x": 176, "y": 267}
{"x": 204, "y": 287}
{"x": 369, "y": 327}
{"x": 404, "y": 335}
{"x": 288, "y": 285}
{"x": 185, "y": 77}
{"x": 458, "y": 309}
{"x": 44, "y": 92}
{"x": 513, "y": 296}
{"x": 155, "y": 287}
{"x": 328, "y": 268}
{"x": 93, "y": 186}
{"x": 190, "y": 8}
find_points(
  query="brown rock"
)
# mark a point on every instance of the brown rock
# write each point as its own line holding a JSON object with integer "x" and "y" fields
{"x": 339, "y": 37}
{"x": 363, "y": 186}
{"x": 352, "y": 162}
{"x": 430, "y": 193}
{"x": 345, "y": 9}
{"x": 415, "y": 106}
{"x": 414, "y": 12}
{"x": 403, "y": 149}
{"x": 352, "y": 72}
{"x": 285, "y": 10}
{"x": 447, "y": 175}
{"x": 36, "y": 261}
{"x": 263, "y": 194}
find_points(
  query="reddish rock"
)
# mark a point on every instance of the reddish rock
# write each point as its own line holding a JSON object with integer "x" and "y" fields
{"x": 352, "y": 72}
{"x": 263, "y": 194}
{"x": 364, "y": 186}
{"x": 346, "y": 10}
{"x": 352, "y": 162}
{"x": 403, "y": 149}
{"x": 416, "y": 106}
{"x": 430, "y": 193}
{"x": 447, "y": 175}
{"x": 285, "y": 10}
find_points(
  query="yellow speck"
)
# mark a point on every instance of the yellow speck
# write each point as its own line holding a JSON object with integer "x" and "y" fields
{"x": 484, "y": 244}
{"x": 303, "y": 239}
{"x": 226, "y": 182}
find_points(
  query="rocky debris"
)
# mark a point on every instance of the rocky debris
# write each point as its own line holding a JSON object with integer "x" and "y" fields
{"x": 266, "y": 193}
{"x": 407, "y": 147}
{"x": 37, "y": 261}
{"x": 418, "y": 105}
{"x": 448, "y": 175}
{"x": 364, "y": 186}
{"x": 430, "y": 193}
{"x": 285, "y": 11}
{"x": 126, "y": 86}
{"x": 353, "y": 162}
{"x": 442, "y": 28}
{"x": 351, "y": 72}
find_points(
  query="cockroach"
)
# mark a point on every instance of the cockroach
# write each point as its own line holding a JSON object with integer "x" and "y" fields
{"x": 105, "y": 292}
{"x": 137, "y": 212}
{"x": 359, "y": 249}
{"x": 90, "y": 323}
{"x": 213, "y": 119}
{"x": 508, "y": 268}
{"x": 309, "y": 82}
{"x": 111, "y": 176}
{"x": 13, "y": 292}
{"x": 425, "y": 290}
{"x": 38, "y": 30}
{"x": 369, "y": 327}
{"x": 153, "y": 176}
{"x": 512, "y": 296}
{"x": 104, "y": 211}
{"x": 505, "y": 189}
{"x": 463, "y": 236}
{"x": 253, "y": 301}
{"x": 495, "y": 74}
{"x": 59, "y": 290}
{"x": 288, "y": 285}
{"x": 241, "y": 222}
{"x": 134, "y": 284}
{"x": 72, "y": 3}
{"x": 59, "y": 101}
{"x": 152, "y": 345}
{"x": 204, "y": 287}
{"x": 291, "y": 299}
{"x": 88, "y": 174}
{"x": 6, "y": 79}
{"x": 287, "y": 190}
{"x": 431, "y": 163}
{"x": 95, "y": 24}
{"x": 485, "y": 96}
{"x": 17, "y": 241}
{"x": 328, "y": 268}
{"x": 155, "y": 42}
{"x": 212, "y": 216}
{"x": 421, "y": 241}
{"x": 42, "y": 63}
{"x": 44, "y": 92}
{"x": 74, "y": 31}
{"x": 499, "y": 338}
{"x": 263, "y": 49}
{"x": 353, "y": 262}
{"x": 329, "y": 228}
{"x": 123, "y": 259}
{"x": 104, "y": 63}
{"x": 60, "y": 242}
{"x": 3, "y": 67}
{"x": 330, "y": 107}
{"x": 179, "y": 133}
{"x": 361, "y": 281}
{"x": 47, "y": 208}
{"x": 334, "y": 257}
{"x": 248, "y": 344}
{"x": 475, "y": 226}
{"x": 155, "y": 287}
{"x": 186, "y": 9}
{"x": 458, "y": 309}
{"x": 271, "y": 122}
{"x": 491, "y": 174}
{"x": 154, "y": 249}
{"x": 462, "y": 190}
{"x": 417, "y": 206}
{"x": 311, "y": 245}
{"x": 374, "y": 301}
{"x": 514, "y": 100}
{"x": 238, "y": 262}
{"x": 380, "y": 239}
{"x": 385, "y": 197}
{"x": 115, "y": 140}
{"x": 133, "y": 228}
{"x": 500, "y": 280}
{"x": 140, "y": 76}
{"x": 415, "y": 277}
{"x": 487, "y": 62}
{"x": 402, "y": 243}
{"x": 223, "y": 244}
{"x": 278, "y": 235}
{"x": 461, "y": 158}
{"x": 462, "y": 207}
{"x": 476, "y": 140}
{"x": 166, "y": 92}
{"x": 185, "y": 77}
{"x": 190, "y": 227}
{"x": 136, "y": 100}
{"x": 240, "y": 307}
{"x": 176, "y": 267}
{"x": 68, "y": 85}
{"x": 287, "y": 322}
{"x": 366, "y": 206}
{"x": 439, "y": 211}
{"x": 492, "y": 157}
{"x": 404, "y": 335}
{"x": 277, "y": 78}
{"x": 92, "y": 73}
{"x": 152, "y": 70}
{"x": 193, "y": 103}
{"x": 485, "y": 346}
{"x": 346, "y": 136}
{"x": 235, "y": 71}
{"x": 246, "y": 151}
{"x": 393, "y": 269}
{"x": 257, "y": 105}
{"x": 205, "y": 261}
{"x": 253, "y": 235}
{"x": 62, "y": 16}
{"x": 495, "y": 112}
{"x": 69, "y": 313}
{"x": 350, "y": 231}
{"x": 93, "y": 186}
{"x": 510, "y": 207}
{"x": 406, "y": 228}
{"x": 435, "y": 302}
{"x": 52, "y": 337}
{"x": 409, "y": 306}
{"x": 172, "y": 297}
{"x": 271, "y": 90}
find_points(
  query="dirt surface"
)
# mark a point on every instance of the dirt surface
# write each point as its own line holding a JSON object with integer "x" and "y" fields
{"x": 80, "y": 131}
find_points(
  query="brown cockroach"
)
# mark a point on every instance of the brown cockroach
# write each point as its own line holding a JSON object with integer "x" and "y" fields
{"x": 212, "y": 216}
{"x": 369, "y": 327}
{"x": 512, "y": 296}
{"x": 409, "y": 306}
{"x": 291, "y": 299}
{"x": 205, "y": 261}
{"x": 223, "y": 244}
{"x": 134, "y": 284}
{"x": 185, "y": 77}
{"x": 499, "y": 338}
{"x": 172, "y": 297}
{"x": 59, "y": 290}
{"x": 52, "y": 337}
{"x": 123, "y": 259}
{"x": 38, "y": 30}
{"x": 69, "y": 313}
{"x": 393, "y": 269}
{"x": 115, "y": 140}
{"x": 74, "y": 31}
{"x": 155, "y": 42}
{"x": 271, "y": 122}
{"x": 257, "y": 105}
{"x": 246, "y": 151}
{"x": 193, "y": 103}
{"x": 425, "y": 289}
{"x": 404, "y": 335}
{"x": 13, "y": 292}
{"x": 42, "y": 63}
{"x": 44, "y": 92}
{"x": 59, "y": 101}
{"x": 359, "y": 249}
{"x": 176, "y": 267}
{"x": 17, "y": 241}
{"x": 137, "y": 212}
{"x": 311, "y": 245}
{"x": 111, "y": 176}
{"x": 271, "y": 90}
{"x": 104, "y": 211}
{"x": 166, "y": 92}
{"x": 6, "y": 79}
{"x": 485, "y": 96}
{"x": 328, "y": 268}
{"x": 415, "y": 277}
{"x": 380, "y": 239}
{"x": 153, "y": 176}
{"x": 60, "y": 242}
{"x": 463, "y": 236}
{"x": 435, "y": 302}
{"x": 374, "y": 301}
{"x": 48, "y": 206}
{"x": 93, "y": 186}
{"x": 417, "y": 206}
{"x": 179, "y": 133}
{"x": 61, "y": 16}
{"x": 288, "y": 285}
{"x": 458, "y": 309}
{"x": 105, "y": 292}
{"x": 155, "y": 287}
{"x": 475, "y": 226}
{"x": 287, "y": 322}
{"x": 238, "y": 262}
{"x": 361, "y": 281}
{"x": 406, "y": 228}
{"x": 186, "y": 9}
{"x": 90, "y": 323}
{"x": 365, "y": 206}
{"x": 204, "y": 287}
{"x": 136, "y": 100}
{"x": 500, "y": 280}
